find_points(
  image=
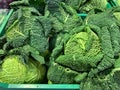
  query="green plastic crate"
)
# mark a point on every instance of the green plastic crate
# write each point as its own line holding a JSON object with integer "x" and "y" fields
{"x": 42, "y": 86}
{"x": 5, "y": 18}
{"x": 113, "y": 2}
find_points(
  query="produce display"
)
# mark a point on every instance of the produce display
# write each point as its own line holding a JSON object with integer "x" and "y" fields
{"x": 46, "y": 41}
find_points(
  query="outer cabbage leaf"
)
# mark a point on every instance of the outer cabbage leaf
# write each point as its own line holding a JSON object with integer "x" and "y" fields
{"x": 58, "y": 74}
{"x": 18, "y": 31}
{"x": 106, "y": 80}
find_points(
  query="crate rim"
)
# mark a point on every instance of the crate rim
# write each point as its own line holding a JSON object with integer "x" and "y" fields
{"x": 42, "y": 86}
{"x": 5, "y": 21}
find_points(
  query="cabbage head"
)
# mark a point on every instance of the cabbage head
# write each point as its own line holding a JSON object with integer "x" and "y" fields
{"x": 83, "y": 43}
{"x": 14, "y": 71}
{"x": 82, "y": 51}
